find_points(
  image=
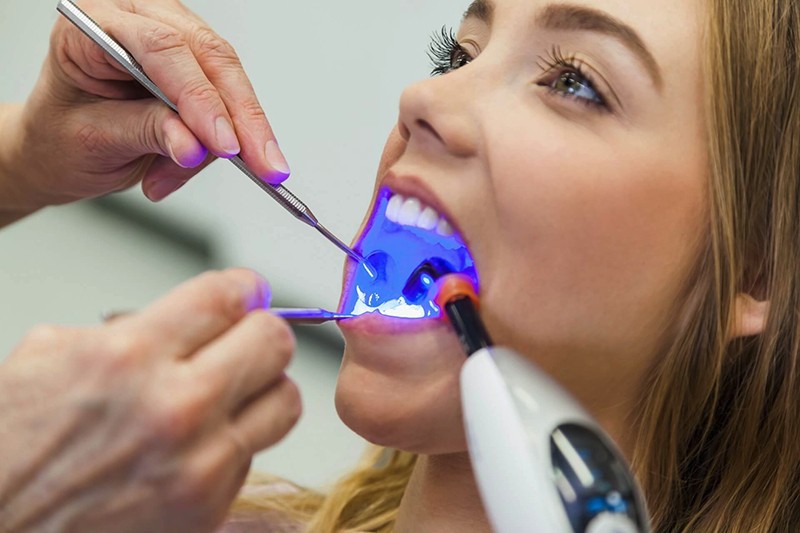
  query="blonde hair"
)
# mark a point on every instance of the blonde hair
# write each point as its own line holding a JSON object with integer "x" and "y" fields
{"x": 717, "y": 443}
{"x": 366, "y": 499}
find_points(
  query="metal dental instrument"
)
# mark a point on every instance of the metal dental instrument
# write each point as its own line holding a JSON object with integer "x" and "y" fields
{"x": 280, "y": 194}
{"x": 308, "y": 317}
{"x": 296, "y": 317}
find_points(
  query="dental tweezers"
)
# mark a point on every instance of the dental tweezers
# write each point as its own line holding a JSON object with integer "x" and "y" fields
{"x": 279, "y": 193}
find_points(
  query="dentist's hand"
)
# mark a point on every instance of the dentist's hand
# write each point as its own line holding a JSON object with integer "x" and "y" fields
{"x": 88, "y": 129}
{"x": 147, "y": 423}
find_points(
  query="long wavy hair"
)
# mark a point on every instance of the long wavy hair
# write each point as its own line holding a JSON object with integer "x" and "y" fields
{"x": 717, "y": 431}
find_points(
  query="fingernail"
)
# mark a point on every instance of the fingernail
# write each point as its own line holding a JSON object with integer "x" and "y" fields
{"x": 261, "y": 298}
{"x": 226, "y": 137}
{"x": 257, "y": 291}
{"x": 163, "y": 188}
{"x": 276, "y": 159}
{"x": 172, "y": 155}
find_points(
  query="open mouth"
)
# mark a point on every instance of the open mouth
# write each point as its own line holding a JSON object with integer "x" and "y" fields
{"x": 409, "y": 247}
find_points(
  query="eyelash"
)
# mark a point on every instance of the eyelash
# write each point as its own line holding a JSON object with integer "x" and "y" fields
{"x": 444, "y": 51}
{"x": 447, "y": 55}
{"x": 560, "y": 65}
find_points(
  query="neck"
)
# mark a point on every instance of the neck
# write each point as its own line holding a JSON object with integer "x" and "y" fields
{"x": 442, "y": 496}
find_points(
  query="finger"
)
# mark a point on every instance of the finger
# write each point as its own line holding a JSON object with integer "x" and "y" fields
{"x": 169, "y": 61}
{"x": 164, "y": 177}
{"x": 269, "y": 418}
{"x": 250, "y": 357}
{"x": 73, "y": 50}
{"x": 197, "y": 312}
{"x": 222, "y": 66}
{"x": 142, "y": 127}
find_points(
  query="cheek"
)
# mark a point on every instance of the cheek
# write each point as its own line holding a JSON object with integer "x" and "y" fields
{"x": 599, "y": 242}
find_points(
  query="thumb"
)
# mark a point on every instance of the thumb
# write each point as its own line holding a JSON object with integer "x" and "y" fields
{"x": 144, "y": 127}
{"x": 165, "y": 177}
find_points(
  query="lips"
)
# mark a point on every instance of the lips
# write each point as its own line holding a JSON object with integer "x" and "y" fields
{"x": 409, "y": 243}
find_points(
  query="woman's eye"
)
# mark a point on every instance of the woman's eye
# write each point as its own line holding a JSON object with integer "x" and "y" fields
{"x": 459, "y": 58}
{"x": 573, "y": 84}
{"x": 446, "y": 53}
{"x": 565, "y": 77}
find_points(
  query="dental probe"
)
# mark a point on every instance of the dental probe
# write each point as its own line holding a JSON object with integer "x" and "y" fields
{"x": 541, "y": 462}
{"x": 280, "y": 194}
{"x": 308, "y": 317}
{"x": 295, "y": 317}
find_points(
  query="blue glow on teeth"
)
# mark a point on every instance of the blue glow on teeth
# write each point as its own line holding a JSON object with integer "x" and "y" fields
{"x": 395, "y": 252}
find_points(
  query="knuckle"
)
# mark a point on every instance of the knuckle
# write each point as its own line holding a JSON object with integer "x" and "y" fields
{"x": 278, "y": 337}
{"x": 196, "y": 485}
{"x": 45, "y": 335}
{"x": 201, "y": 91}
{"x": 124, "y": 350}
{"x": 210, "y": 47}
{"x": 174, "y": 420}
{"x": 284, "y": 342}
{"x": 293, "y": 402}
{"x": 277, "y": 331}
{"x": 252, "y": 110}
{"x": 162, "y": 39}
{"x": 147, "y": 134}
{"x": 223, "y": 295}
{"x": 90, "y": 137}
{"x": 201, "y": 475}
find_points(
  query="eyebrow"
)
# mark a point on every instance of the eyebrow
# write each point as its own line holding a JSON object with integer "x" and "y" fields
{"x": 571, "y": 17}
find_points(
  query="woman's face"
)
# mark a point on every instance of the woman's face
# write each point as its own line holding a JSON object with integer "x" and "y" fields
{"x": 566, "y": 148}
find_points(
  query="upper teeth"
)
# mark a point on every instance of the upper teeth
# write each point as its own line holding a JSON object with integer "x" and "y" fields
{"x": 410, "y": 212}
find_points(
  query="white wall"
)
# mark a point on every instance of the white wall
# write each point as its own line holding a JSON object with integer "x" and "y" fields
{"x": 329, "y": 74}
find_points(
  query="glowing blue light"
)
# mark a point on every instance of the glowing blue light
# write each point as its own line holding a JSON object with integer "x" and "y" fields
{"x": 395, "y": 252}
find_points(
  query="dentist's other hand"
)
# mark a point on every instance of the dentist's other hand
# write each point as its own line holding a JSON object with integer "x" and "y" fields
{"x": 149, "y": 422}
{"x": 89, "y": 129}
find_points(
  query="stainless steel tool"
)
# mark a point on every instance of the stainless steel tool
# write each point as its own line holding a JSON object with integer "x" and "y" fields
{"x": 294, "y": 316}
{"x": 308, "y": 317}
{"x": 280, "y": 194}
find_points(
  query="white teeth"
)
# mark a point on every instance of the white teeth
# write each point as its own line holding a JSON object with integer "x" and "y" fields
{"x": 444, "y": 228}
{"x": 393, "y": 209}
{"x": 409, "y": 212}
{"x": 428, "y": 219}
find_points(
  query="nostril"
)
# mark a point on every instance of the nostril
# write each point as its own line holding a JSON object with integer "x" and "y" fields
{"x": 405, "y": 133}
{"x": 426, "y": 126}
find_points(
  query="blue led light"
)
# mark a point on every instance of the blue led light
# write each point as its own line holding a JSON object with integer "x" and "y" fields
{"x": 395, "y": 252}
{"x": 596, "y": 505}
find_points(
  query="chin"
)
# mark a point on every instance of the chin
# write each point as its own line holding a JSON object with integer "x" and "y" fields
{"x": 401, "y": 390}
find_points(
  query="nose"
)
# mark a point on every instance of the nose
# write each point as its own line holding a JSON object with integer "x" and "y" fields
{"x": 439, "y": 115}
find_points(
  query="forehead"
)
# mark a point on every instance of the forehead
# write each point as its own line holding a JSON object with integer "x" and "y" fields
{"x": 669, "y": 30}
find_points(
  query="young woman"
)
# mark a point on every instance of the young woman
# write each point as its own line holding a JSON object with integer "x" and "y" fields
{"x": 626, "y": 176}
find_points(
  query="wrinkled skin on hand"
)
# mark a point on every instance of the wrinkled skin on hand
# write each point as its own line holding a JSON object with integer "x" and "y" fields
{"x": 88, "y": 129}
{"x": 149, "y": 422}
